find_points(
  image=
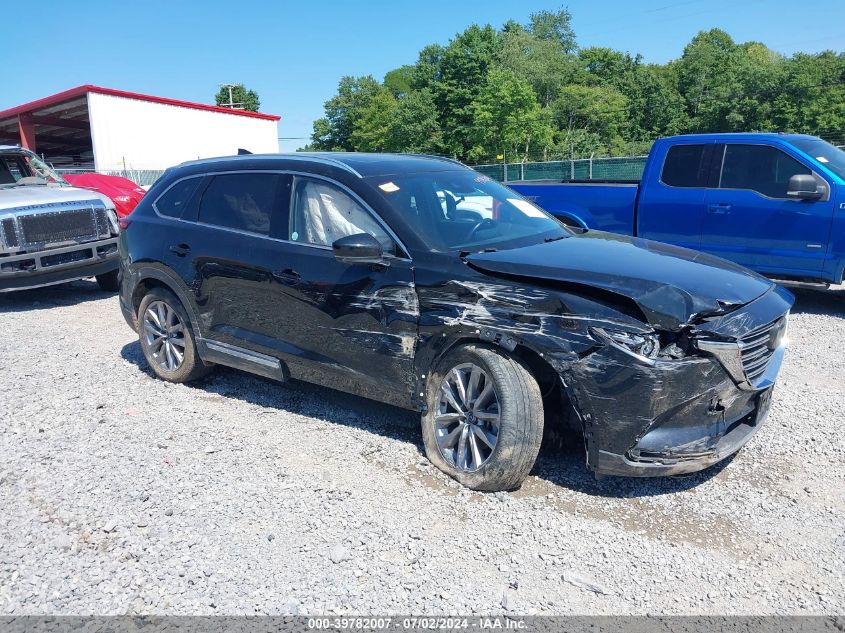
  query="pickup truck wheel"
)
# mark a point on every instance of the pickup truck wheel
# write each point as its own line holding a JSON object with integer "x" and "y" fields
{"x": 166, "y": 338}
{"x": 108, "y": 281}
{"x": 484, "y": 421}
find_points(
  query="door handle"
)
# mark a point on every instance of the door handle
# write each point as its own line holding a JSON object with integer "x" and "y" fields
{"x": 180, "y": 249}
{"x": 288, "y": 276}
{"x": 719, "y": 209}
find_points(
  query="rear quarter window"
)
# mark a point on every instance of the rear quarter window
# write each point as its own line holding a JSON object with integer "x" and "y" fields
{"x": 173, "y": 202}
{"x": 685, "y": 166}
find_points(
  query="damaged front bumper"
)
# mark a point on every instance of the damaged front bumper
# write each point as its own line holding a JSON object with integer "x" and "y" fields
{"x": 669, "y": 417}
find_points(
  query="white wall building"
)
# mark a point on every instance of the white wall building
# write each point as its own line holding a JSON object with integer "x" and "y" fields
{"x": 102, "y": 129}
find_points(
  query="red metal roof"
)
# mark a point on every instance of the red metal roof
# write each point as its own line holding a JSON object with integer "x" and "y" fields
{"x": 79, "y": 91}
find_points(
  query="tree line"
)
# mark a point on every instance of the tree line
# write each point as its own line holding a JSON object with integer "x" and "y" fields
{"x": 528, "y": 92}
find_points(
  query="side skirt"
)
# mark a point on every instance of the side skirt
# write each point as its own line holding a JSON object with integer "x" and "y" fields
{"x": 241, "y": 358}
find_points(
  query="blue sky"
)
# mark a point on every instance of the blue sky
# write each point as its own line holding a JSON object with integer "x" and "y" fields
{"x": 293, "y": 53}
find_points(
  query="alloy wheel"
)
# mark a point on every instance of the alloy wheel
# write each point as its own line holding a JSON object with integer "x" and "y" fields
{"x": 466, "y": 423}
{"x": 164, "y": 335}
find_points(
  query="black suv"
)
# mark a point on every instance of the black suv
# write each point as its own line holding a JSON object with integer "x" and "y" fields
{"x": 418, "y": 282}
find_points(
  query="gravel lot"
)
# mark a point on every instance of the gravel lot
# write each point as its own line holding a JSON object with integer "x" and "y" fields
{"x": 123, "y": 494}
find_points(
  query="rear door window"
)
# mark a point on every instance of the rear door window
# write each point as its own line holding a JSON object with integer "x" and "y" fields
{"x": 759, "y": 168}
{"x": 175, "y": 200}
{"x": 244, "y": 202}
{"x": 686, "y": 166}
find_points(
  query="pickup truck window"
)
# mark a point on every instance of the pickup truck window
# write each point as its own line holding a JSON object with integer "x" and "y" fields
{"x": 685, "y": 166}
{"x": 760, "y": 168}
{"x": 244, "y": 202}
{"x": 830, "y": 156}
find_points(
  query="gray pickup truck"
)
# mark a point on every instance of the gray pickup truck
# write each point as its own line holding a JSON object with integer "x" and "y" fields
{"x": 50, "y": 232}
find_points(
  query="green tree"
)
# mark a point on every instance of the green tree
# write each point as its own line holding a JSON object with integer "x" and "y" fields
{"x": 400, "y": 80}
{"x": 507, "y": 118}
{"x": 554, "y": 26}
{"x": 241, "y": 97}
{"x": 462, "y": 71}
{"x": 342, "y": 112}
{"x": 372, "y": 123}
{"x": 590, "y": 119}
{"x": 415, "y": 126}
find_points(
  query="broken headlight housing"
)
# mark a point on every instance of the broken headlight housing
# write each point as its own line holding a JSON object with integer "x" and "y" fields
{"x": 647, "y": 347}
{"x": 644, "y": 347}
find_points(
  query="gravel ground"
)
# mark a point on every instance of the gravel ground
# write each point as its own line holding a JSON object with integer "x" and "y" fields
{"x": 122, "y": 494}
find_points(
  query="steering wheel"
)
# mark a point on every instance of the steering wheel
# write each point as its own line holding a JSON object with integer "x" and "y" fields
{"x": 486, "y": 222}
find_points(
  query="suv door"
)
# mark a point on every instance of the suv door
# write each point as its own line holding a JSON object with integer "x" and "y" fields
{"x": 751, "y": 221}
{"x": 356, "y": 324}
{"x": 228, "y": 254}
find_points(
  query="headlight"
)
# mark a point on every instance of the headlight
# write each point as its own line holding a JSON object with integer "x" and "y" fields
{"x": 113, "y": 225}
{"x": 644, "y": 347}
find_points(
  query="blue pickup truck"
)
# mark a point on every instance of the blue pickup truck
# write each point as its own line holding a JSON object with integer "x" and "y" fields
{"x": 772, "y": 202}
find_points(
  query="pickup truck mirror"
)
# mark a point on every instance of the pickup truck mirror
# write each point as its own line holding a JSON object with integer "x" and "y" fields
{"x": 361, "y": 248}
{"x": 804, "y": 187}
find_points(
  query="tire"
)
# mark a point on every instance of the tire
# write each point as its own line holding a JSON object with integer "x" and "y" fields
{"x": 505, "y": 464}
{"x": 108, "y": 281}
{"x": 181, "y": 363}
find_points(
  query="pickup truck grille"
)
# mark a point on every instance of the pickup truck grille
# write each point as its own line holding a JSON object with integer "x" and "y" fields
{"x": 61, "y": 226}
{"x": 758, "y": 346}
{"x": 9, "y": 235}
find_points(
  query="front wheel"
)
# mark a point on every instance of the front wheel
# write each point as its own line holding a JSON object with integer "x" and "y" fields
{"x": 484, "y": 421}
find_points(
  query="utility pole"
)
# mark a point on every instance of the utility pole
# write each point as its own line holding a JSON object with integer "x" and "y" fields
{"x": 232, "y": 105}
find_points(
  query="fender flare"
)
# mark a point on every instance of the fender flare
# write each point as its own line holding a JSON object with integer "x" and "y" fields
{"x": 173, "y": 283}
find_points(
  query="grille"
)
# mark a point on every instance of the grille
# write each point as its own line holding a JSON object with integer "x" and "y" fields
{"x": 102, "y": 222}
{"x": 66, "y": 258}
{"x": 59, "y": 226}
{"x": 9, "y": 234}
{"x": 757, "y": 348}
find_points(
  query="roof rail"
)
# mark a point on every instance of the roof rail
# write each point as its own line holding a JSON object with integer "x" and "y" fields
{"x": 436, "y": 157}
{"x": 292, "y": 155}
{"x": 320, "y": 159}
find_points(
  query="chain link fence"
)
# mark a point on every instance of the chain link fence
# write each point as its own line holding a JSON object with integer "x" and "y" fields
{"x": 141, "y": 177}
{"x": 623, "y": 168}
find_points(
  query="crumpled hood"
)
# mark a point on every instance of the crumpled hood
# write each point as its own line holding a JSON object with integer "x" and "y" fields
{"x": 671, "y": 285}
{"x": 36, "y": 195}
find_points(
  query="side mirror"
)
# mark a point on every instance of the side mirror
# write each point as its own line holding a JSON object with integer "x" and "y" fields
{"x": 804, "y": 187}
{"x": 361, "y": 248}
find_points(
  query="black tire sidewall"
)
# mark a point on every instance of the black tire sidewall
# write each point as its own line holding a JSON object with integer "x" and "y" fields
{"x": 191, "y": 365}
{"x": 519, "y": 438}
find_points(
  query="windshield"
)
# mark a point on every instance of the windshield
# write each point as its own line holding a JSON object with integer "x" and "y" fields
{"x": 23, "y": 168}
{"x": 465, "y": 210}
{"x": 828, "y": 155}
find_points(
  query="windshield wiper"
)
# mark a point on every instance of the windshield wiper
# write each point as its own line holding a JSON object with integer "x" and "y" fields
{"x": 554, "y": 239}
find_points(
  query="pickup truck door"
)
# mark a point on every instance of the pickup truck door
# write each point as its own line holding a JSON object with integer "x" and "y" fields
{"x": 670, "y": 207}
{"x": 750, "y": 220}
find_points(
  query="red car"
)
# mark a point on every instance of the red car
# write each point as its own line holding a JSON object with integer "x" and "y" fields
{"x": 123, "y": 192}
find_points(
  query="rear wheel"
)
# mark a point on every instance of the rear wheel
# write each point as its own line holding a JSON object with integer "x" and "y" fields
{"x": 108, "y": 281}
{"x": 484, "y": 421}
{"x": 167, "y": 339}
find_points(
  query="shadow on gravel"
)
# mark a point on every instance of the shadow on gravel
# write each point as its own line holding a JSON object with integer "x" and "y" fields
{"x": 300, "y": 398}
{"x": 72, "y": 293}
{"x": 564, "y": 464}
{"x": 561, "y": 460}
{"x": 825, "y": 302}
